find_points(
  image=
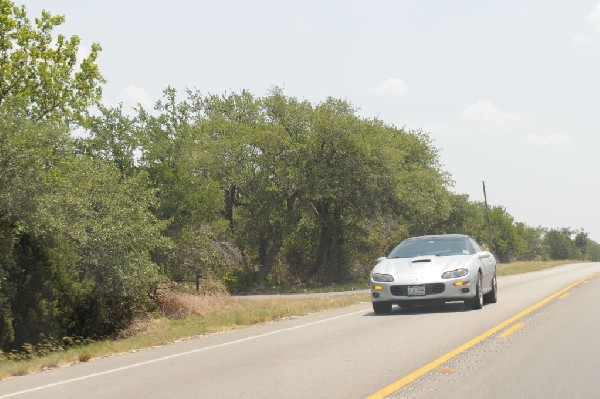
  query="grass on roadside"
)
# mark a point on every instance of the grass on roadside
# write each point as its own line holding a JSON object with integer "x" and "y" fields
{"x": 506, "y": 269}
{"x": 190, "y": 316}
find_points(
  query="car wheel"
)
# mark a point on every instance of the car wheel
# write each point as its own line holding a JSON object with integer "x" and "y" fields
{"x": 492, "y": 296}
{"x": 382, "y": 307}
{"x": 477, "y": 301}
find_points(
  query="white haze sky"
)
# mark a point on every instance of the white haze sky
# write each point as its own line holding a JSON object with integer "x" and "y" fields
{"x": 508, "y": 90}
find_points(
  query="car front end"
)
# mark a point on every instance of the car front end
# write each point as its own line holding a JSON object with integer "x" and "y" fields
{"x": 420, "y": 281}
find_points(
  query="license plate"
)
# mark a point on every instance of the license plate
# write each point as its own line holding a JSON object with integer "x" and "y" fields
{"x": 416, "y": 290}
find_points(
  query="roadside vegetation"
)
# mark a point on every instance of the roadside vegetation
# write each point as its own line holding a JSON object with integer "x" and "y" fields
{"x": 507, "y": 269}
{"x": 232, "y": 193}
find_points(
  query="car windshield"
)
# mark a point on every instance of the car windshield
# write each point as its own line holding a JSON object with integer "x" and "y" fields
{"x": 432, "y": 246}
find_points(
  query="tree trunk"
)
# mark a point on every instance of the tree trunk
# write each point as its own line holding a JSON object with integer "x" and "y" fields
{"x": 266, "y": 257}
{"x": 230, "y": 194}
{"x": 330, "y": 256}
{"x": 271, "y": 239}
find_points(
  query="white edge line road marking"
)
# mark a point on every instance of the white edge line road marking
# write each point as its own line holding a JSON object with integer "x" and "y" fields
{"x": 160, "y": 359}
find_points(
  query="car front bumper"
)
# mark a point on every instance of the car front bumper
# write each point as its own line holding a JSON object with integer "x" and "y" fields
{"x": 407, "y": 292}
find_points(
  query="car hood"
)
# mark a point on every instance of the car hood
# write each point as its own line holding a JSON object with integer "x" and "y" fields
{"x": 424, "y": 266}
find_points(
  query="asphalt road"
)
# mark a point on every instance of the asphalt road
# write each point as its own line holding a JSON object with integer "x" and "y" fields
{"x": 351, "y": 353}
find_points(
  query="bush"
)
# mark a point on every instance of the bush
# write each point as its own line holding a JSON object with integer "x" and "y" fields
{"x": 101, "y": 315}
{"x": 238, "y": 281}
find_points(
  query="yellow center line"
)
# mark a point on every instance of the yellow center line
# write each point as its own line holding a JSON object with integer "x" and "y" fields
{"x": 563, "y": 296}
{"x": 444, "y": 358}
{"x": 511, "y": 330}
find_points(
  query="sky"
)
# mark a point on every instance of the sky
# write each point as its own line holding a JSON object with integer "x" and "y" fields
{"x": 507, "y": 90}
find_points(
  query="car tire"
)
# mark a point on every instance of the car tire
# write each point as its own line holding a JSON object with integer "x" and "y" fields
{"x": 476, "y": 302}
{"x": 492, "y": 296}
{"x": 382, "y": 307}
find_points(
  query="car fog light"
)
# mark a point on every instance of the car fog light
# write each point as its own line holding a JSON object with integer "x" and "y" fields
{"x": 465, "y": 290}
{"x": 376, "y": 295}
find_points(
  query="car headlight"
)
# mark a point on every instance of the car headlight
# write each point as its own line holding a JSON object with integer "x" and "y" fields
{"x": 455, "y": 273}
{"x": 384, "y": 278}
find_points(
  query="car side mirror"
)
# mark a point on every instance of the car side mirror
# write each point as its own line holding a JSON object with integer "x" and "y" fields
{"x": 381, "y": 259}
{"x": 485, "y": 254}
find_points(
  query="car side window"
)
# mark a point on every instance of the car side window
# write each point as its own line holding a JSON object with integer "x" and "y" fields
{"x": 475, "y": 246}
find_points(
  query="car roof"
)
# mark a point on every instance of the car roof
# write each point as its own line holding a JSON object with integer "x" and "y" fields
{"x": 429, "y": 237}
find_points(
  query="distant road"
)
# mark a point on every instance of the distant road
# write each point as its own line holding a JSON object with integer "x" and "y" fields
{"x": 350, "y": 353}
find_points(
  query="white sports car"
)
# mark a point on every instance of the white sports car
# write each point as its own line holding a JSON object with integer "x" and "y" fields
{"x": 434, "y": 270}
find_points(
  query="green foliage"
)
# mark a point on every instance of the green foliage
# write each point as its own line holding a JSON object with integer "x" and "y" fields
{"x": 111, "y": 136}
{"x": 530, "y": 246}
{"x": 40, "y": 70}
{"x": 314, "y": 187}
{"x": 90, "y": 208}
{"x": 593, "y": 251}
{"x": 581, "y": 242}
{"x": 504, "y": 234}
{"x": 198, "y": 252}
{"x": 560, "y": 245}
{"x": 179, "y": 154}
{"x": 40, "y": 80}
{"x": 238, "y": 281}
{"x": 27, "y": 293}
{"x": 78, "y": 237}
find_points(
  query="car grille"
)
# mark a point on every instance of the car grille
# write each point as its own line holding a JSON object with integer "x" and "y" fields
{"x": 402, "y": 290}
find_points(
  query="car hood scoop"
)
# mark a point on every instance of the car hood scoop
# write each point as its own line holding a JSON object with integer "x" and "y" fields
{"x": 421, "y": 260}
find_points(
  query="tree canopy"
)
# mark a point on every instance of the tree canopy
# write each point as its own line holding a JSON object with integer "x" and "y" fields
{"x": 41, "y": 71}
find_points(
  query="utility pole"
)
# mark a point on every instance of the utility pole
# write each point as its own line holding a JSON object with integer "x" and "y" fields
{"x": 487, "y": 214}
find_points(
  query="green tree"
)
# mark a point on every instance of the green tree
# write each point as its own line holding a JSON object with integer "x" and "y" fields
{"x": 40, "y": 79}
{"x": 175, "y": 152}
{"x": 270, "y": 192}
{"x": 504, "y": 236}
{"x": 179, "y": 153}
{"x": 106, "y": 219}
{"x": 530, "y": 243}
{"x": 593, "y": 251}
{"x": 230, "y": 121}
{"x": 78, "y": 237}
{"x": 581, "y": 242}
{"x": 27, "y": 289}
{"x": 40, "y": 71}
{"x": 353, "y": 172}
{"x": 335, "y": 185}
{"x": 464, "y": 217}
{"x": 112, "y": 136}
{"x": 7, "y": 265}
{"x": 559, "y": 244}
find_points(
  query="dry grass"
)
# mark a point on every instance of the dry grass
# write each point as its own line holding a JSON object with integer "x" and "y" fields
{"x": 177, "y": 305}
